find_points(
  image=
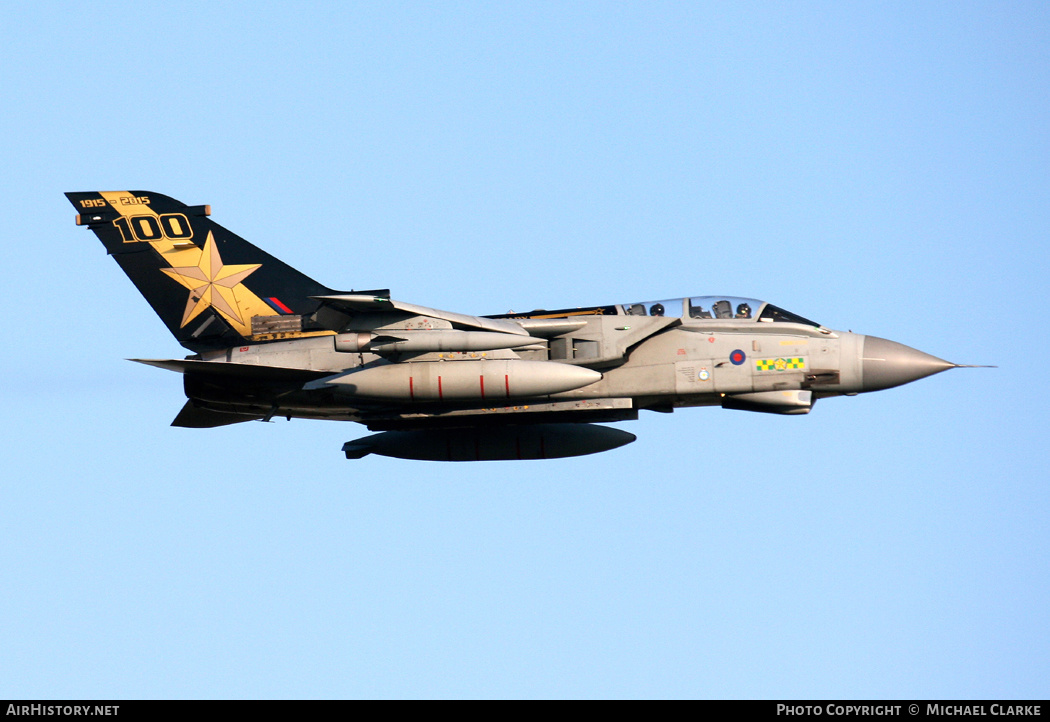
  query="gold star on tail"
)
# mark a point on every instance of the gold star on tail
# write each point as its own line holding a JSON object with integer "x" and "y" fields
{"x": 211, "y": 283}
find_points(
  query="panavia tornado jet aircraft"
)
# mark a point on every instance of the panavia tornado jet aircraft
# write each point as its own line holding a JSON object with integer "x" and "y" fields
{"x": 268, "y": 341}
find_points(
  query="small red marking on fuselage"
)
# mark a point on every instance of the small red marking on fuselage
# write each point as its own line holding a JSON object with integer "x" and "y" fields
{"x": 506, "y": 384}
{"x": 711, "y": 339}
{"x": 481, "y": 380}
{"x": 441, "y": 394}
{"x": 411, "y": 388}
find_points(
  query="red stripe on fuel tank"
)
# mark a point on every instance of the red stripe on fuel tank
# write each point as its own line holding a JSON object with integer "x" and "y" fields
{"x": 481, "y": 380}
{"x": 506, "y": 383}
{"x": 441, "y": 394}
{"x": 411, "y": 388}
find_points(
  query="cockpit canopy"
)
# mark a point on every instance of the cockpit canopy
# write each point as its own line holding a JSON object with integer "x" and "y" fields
{"x": 715, "y": 307}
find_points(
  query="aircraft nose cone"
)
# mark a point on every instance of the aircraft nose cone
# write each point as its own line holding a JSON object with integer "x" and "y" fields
{"x": 887, "y": 364}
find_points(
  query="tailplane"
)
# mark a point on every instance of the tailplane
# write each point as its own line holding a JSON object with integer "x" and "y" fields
{"x": 212, "y": 288}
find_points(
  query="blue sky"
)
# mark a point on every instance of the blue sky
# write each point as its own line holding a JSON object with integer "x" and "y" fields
{"x": 877, "y": 167}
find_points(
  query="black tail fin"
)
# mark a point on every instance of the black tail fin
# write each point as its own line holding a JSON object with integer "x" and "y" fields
{"x": 211, "y": 287}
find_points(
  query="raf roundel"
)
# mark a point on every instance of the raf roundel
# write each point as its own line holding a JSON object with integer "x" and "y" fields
{"x": 737, "y": 357}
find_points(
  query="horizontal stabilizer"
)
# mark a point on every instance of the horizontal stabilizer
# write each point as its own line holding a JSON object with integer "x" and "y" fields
{"x": 241, "y": 371}
{"x": 194, "y": 417}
